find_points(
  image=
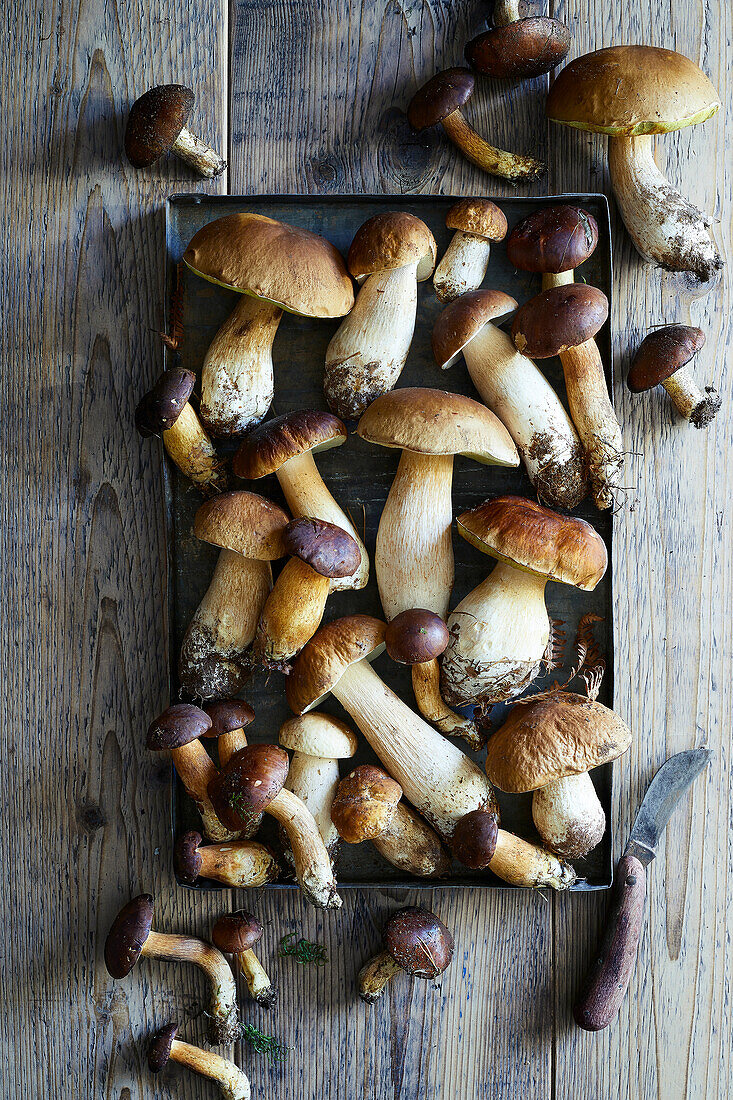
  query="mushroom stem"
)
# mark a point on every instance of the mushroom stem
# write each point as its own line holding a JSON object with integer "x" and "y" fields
{"x": 237, "y": 377}
{"x": 313, "y": 868}
{"x": 229, "y": 743}
{"x": 505, "y": 12}
{"x": 241, "y": 863}
{"x": 463, "y": 266}
{"x": 193, "y": 452}
{"x": 257, "y": 979}
{"x": 233, "y": 1082}
{"x": 291, "y": 615}
{"x": 374, "y": 976}
{"x": 314, "y": 779}
{"x": 411, "y": 845}
{"x": 198, "y": 154}
{"x": 690, "y": 401}
{"x": 510, "y": 166}
{"x": 666, "y": 228}
{"x": 523, "y": 864}
{"x": 568, "y": 815}
{"x": 196, "y": 770}
{"x": 430, "y": 703}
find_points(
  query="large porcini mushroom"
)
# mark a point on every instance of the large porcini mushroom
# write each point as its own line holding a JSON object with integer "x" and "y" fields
{"x": 440, "y": 101}
{"x": 131, "y": 936}
{"x": 477, "y": 222}
{"x": 164, "y": 1048}
{"x": 516, "y": 390}
{"x": 389, "y": 255}
{"x": 632, "y": 93}
{"x": 166, "y": 410}
{"x": 518, "y": 47}
{"x": 548, "y": 747}
{"x": 662, "y": 359}
{"x": 414, "y": 552}
{"x": 480, "y": 844}
{"x": 274, "y": 267}
{"x": 253, "y": 783}
{"x": 415, "y": 942}
{"x": 285, "y": 446}
{"x": 244, "y": 864}
{"x": 440, "y": 781}
{"x": 157, "y": 126}
{"x": 499, "y": 632}
{"x": 368, "y": 806}
{"x": 236, "y": 934}
{"x": 213, "y": 662}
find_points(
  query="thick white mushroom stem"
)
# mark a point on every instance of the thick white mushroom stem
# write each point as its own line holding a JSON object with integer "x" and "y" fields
{"x": 411, "y": 845}
{"x": 523, "y": 864}
{"x": 291, "y": 615}
{"x": 232, "y": 1080}
{"x": 306, "y": 494}
{"x": 313, "y": 868}
{"x": 505, "y": 11}
{"x": 568, "y": 815}
{"x": 222, "y": 1014}
{"x": 237, "y": 378}
{"x": 198, "y": 155}
{"x": 368, "y": 351}
{"x": 666, "y": 228}
{"x": 193, "y": 452}
{"x": 463, "y": 266}
{"x": 257, "y": 978}
{"x": 241, "y": 863}
{"x": 440, "y": 781}
{"x": 497, "y": 162}
{"x": 375, "y": 975}
{"x": 498, "y": 637}
{"x": 690, "y": 401}
{"x": 196, "y": 770}
{"x": 314, "y": 779}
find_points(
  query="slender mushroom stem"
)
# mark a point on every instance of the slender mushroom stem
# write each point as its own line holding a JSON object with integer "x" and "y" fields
{"x": 463, "y": 266}
{"x": 313, "y": 868}
{"x": 229, "y": 743}
{"x": 240, "y": 863}
{"x": 498, "y": 162}
{"x": 223, "y": 1022}
{"x": 314, "y": 779}
{"x": 523, "y": 864}
{"x": 375, "y": 975}
{"x": 258, "y": 981}
{"x": 568, "y": 815}
{"x": 193, "y": 452}
{"x": 505, "y": 12}
{"x": 430, "y": 703}
{"x": 291, "y": 615}
{"x": 196, "y": 770}
{"x": 233, "y": 1082}
{"x": 411, "y": 845}
{"x": 689, "y": 399}
{"x": 198, "y": 154}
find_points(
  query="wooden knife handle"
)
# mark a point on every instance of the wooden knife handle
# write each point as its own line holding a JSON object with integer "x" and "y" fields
{"x": 608, "y": 979}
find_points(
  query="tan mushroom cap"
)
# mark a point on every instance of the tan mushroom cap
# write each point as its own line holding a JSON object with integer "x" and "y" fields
{"x": 537, "y": 540}
{"x": 365, "y": 804}
{"x": 318, "y": 734}
{"x": 391, "y": 240}
{"x": 244, "y": 522}
{"x": 480, "y": 217}
{"x": 273, "y": 443}
{"x": 433, "y": 422}
{"x": 560, "y": 735}
{"x": 298, "y": 270}
{"x": 631, "y": 90}
{"x": 463, "y": 319}
{"x": 327, "y": 656}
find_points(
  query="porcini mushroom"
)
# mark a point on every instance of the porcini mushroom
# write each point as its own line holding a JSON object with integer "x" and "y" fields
{"x": 414, "y": 553}
{"x": 632, "y": 93}
{"x": 131, "y": 936}
{"x": 229, "y": 718}
{"x": 500, "y": 631}
{"x": 477, "y": 222}
{"x": 662, "y": 359}
{"x": 518, "y": 47}
{"x": 285, "y": 446}
{"x": 157, "y": 126}
{"x": 440, "y": 781}
{"x": 274, "y": 267}
{"x": 416, "y": 942}
{"x": 239, "y": 863}
{"x": 389, "y": 255}
{"x": 164, "y": 1047}
{"x": 165, "y": 410}
{"x": 213, "y": 662}
{"x": 367, "y": 806}
{"x": 237, "y": 934}
{"x": 440, "y": 101}
{"x": 479, "y": 843}
{"x": 253, "y": 783}
{"x": 548, "y": 747}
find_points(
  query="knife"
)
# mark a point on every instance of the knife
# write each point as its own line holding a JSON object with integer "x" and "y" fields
{"x": 608, "y": 979}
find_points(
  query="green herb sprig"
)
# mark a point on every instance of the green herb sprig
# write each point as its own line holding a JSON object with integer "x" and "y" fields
{"x": 264, "y": 1044}
{"x": 303, "y": 951}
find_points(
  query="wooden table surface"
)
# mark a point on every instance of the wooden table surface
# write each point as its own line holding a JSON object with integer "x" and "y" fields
{"x": 309, "y": 97}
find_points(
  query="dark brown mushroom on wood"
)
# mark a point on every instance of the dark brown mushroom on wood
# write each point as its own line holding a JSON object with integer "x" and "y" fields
{"x": 416, "y": 942}
{"x": 480, "y": 844}
{"x": 237, "y": 934}
{"x": 244, "y": 864}
{"x": 165, "y": 1047}
{"x": 662, "y": 360}
{"x": 477, "y": 222}
{"x": 157, "y": 126}
{"x": 518, "y": 47}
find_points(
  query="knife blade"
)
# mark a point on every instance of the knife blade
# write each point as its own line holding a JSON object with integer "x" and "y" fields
{"x": 608, "y": 978}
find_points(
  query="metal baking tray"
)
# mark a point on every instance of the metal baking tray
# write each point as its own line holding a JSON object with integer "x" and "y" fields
{"x": 360, "y": 475}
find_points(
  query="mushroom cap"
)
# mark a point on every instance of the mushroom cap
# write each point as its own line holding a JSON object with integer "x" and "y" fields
{"x": 273, "y": 443}
{"x": 560, "y": 318}
{"x": 559, "y": 735}
{"x": 443, "y": 94}
{"x": 433, "y": 422}
{"x": 480, "y": 217}
{"x": 325, "y": 547}
{"x": 318, "y": 734}
{"x": 244, "y": 522}
{"x": 416, "y": 636}
{"x": 187, "y": 859}
{"x": 242, "y": 791}
{"x": 554, "y": 239}
{"x": 159, "y": 1050}
{"x": 522, "y": 48}
{"x": 156, "y": 119}
{"x": 227, "y": 715}
{"x": 364, "y": 804}
{"x": 126, "y": 938}
{"x": 464, "y": 318}
{"x": 391, "y": 240}
{"x": 237, "y": 932}
{"x": 177, "y": 726}
{"x": 418, "y": 942}
{"x": 661, "y": 354}
{"x": 537, "y": 540}
{"x": 161, "y": 406}
{"x": 474, "y": 839}
{"x": 631, "y": 90}
{"x": 294, "y": 268}
{"x": 330, "y": 652}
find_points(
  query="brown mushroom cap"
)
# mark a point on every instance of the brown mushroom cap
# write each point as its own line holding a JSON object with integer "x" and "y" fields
{"x": 560, "y": 735}
{"x": 325, "y": 547}
{"x": 294, "y": 268}
{"x": 391, "y": 240}
{"x": 418, "y": 942}
{"x": 159, "y": 1051}
{"x": 318, "y": 734}
{"x": 661, "y": 354}
{"x": 443, "y": 94}
{"x": 187, "y": 860}
{"x": 156, "y": 119}
{"x": 244, "y": 522}
{"x": 464, "y": 318}
{"x": 364, "y": 804}
{"x": 474, "y": 839}
{"x": 479, "y": 217}
{"x": 416, "y": 636}
{"x": 228, "y": 715}
{"x": 537, "y": 540}
{"x": 330, "y": 652}
{"x": 522, "y": 48}
{"x": 631, "y": 90}
{"x": 161, "y": 406}
{"x": 560, "y": 318}
{"x": 554, "y": 239}
{"x": 177, "y": 726}
{"x": 237, "y": 932}
{"x": 126, "y": 938}
{"x": 244, "y": 789}
{"x": 273, "y": 443}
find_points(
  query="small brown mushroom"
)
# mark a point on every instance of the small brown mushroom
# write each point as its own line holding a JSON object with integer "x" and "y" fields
{"x": 157, "y": 125}
{"x": 479, "y": 843}
{"x": 559, "y": 319}
{"x": 416, "y": 942}
{"x": 229, "y": 719}
{"x": 477, "y": 222}
{"x": 662, "y": 359}
{"x": 518, "y": 48}
{"x": 164, "y": 1047}
{"x": 236, "y": 934}
{"x": 240, "y": 863}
